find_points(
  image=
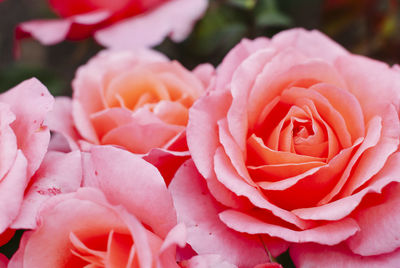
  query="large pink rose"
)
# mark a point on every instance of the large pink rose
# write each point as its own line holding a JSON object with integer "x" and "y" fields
{"x": 117, "y": 23}
{"x": 113, "y": 223}
{"x": 23, "y": 143}
{"x": 298, "y": 141}
{"x": 135, "y": 100}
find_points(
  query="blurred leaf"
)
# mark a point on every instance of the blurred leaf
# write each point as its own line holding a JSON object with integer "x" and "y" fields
{"x": 245, "y": 4}
{"x": 285, "y": 260}
{"x": 11, "y": 247}
{"x": 16, "y": 73}
{"x": 221, "y": 28}
{"x": 268, "y": 14}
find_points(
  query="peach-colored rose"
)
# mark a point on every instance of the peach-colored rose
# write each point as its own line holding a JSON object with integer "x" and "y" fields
{"x": 125, "y": 219}
{"x": 23, "y": 143}
{"x": 117, "y": 23}
{"x": 136, "y": 100}
{"x": 298, "y": 141}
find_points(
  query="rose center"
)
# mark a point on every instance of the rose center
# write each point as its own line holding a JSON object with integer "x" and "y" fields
{"x": 302, "y": 129}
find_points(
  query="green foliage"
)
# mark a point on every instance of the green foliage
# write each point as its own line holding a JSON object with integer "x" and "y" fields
{"x": 15, "y": 73}
{"x": 267, "y": 14}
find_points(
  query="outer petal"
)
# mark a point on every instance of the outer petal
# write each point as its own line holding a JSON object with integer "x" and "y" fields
{"x": 235, "y": 57}
{"x": 30, "y": 101}
{"x": 141, "y": 138}
{"x": 12, "y": 189}
{"x": 313, "y": 256}
{"x": 312, "y": 44}
{"x": 50, "y": 32}
{"x": 47, "y": 32}
{"x": 59, "y": 173}
{"x": 327, "y": 234}
{"x": 8, "y": 140}
{"x": 363, "y": 76}
{"x": 379, "y": 225}
{"x": 203, "y": 118}
{"x": 207, "y": 261}
{"x": 137, "y": 178}
{"x": 174, "y": 18}
{"x": 206, "y": 233}
{"x": 58, "y": 218}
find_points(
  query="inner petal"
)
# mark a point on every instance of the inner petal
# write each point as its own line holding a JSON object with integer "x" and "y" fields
{"x": 83, "y": 251}
{"x": 259, "y": 154}
{"x": 136, "y": 88}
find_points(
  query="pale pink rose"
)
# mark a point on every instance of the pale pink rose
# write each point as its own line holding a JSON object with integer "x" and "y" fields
{"x": 298, "y": 141}
{"x": 135, "y": 100}
{"x": 23, "y": 143}
{"x": 117, "y": 23}
{"x": 125, "y": 219}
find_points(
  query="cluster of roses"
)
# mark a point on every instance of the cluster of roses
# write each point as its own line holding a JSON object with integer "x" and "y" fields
{"x": 290, "y": 143}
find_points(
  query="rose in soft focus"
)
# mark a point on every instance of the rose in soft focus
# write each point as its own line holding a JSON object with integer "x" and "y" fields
{"x": 117, "y": 23}
{"x": 135, "y": 100}
{"x": 24, "y": 138}
{"x": 298, "y": 141}
{"x": 113, "y": 223}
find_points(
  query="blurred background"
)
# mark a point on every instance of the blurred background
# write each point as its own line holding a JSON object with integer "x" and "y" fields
{"x": 367, "y": 27}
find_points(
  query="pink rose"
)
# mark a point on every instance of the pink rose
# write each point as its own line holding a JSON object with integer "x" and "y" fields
{"x": 135, "y": 100}
{"x": 23, "y": 143}
{"x": 114, "y": 224}
{"x": 298, "y": 142}
{"x": 117, "y": 23}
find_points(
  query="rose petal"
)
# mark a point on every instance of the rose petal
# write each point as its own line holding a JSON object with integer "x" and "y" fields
{"x": 314, "y": 255}
{"x": 374, "y": 158}
{"x": 12, "y": 189}
{"x": 3, "y": 261}
{"x": 202, "y": 147}
{"x": 284, "y": 70}
{"x": 140, "y": 138}
{"x": 371, "y": 139}
{"x": 30, "y": 101}
{"x": 106, "y": 120}
{"x": 240, "y": 86}
{"x": 8, "y": 141}
{"x": 166, "y": 161}
{"x": 379, "y": 225}
{"x": 50, "y": 241}
{"x": 58, "y": 173}
{"x": 206, "y": 261}
{"x": 327, "y": 234}
{"x": 206, "y": 233}
{"x": 362, "y": 82}
{"x": 341, "y": 208}
{"x": 47, "y": 32}
{"x": 235, "y": 57}
{"x": 138, "y": 179}
{"x": 230, "y": 179}
{"x": 313, "y": 43}
{"x": 153, "y": 26}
